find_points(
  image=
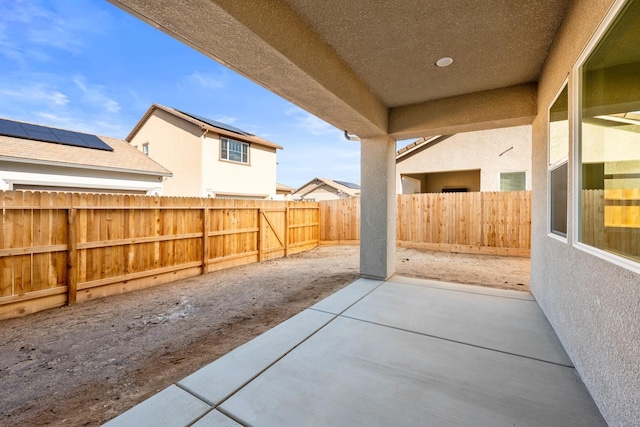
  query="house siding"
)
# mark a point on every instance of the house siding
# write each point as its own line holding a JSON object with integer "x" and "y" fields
{"x": 221, "y": 176}
{"x": 492, "y": 151}
{"x": 14, "y": 175}
{"x": 176, "y": 145}
{"x": 592, "y": 304}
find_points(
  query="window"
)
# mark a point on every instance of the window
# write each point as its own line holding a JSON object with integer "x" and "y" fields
{"x": 513, "y": 181}
{"x": 609, "y": 139}
{"x": 558, "y": 163}
{"x": 558, "y": 196}
{"x": 234, "y": 151}
{"x": 145, "y": 148}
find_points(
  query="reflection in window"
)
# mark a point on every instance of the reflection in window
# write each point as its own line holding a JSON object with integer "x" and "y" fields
{"x": 558, "y": 158}
{"x": 558, "y": 211}
{"x": 609, "y": 150}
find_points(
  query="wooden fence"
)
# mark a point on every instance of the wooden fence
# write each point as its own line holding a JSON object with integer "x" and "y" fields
{"x": 59, "y": 248}
{"x": 492, "y": 222}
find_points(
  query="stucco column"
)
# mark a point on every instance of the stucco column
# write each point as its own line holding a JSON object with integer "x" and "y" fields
{"x": 378, "y": 207}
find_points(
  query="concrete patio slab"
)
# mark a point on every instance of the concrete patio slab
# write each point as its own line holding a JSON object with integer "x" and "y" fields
{"x": 400, "y": 354}
{"x": 346, "y": 297}
{"x": 357, "y": 373}
{"x": 216, "y": 381}
{"x": 216, "y": 419}
{"x": 496, "y": 322}
{"x": 171, "y": 407}
{"x": 475, "y": 289}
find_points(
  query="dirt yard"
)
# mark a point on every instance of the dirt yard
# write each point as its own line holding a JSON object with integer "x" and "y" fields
{"x": 85, "y": 364}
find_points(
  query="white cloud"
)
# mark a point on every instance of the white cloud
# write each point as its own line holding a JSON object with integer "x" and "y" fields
{"x": 207, "y": 80}
{"x": 310, "y": 123}
{"x": 36, "y": 93}
{"x": 58, "y": 25}
{"x": 94, "y": 95}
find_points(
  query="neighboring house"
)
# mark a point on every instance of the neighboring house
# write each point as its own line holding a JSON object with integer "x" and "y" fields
{"x": 488, "y": 160}
{"x": 35, "y": 157}
{"x": 283, "y": 192}
{"x": 207, "y": 158}
{"x": 326, "y": 189}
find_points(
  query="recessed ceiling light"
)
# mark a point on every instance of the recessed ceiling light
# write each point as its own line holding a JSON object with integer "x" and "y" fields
{"x": 443, "y": 62}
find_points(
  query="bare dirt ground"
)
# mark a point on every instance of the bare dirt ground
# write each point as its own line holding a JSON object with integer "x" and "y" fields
{"x": 83, "y": 365}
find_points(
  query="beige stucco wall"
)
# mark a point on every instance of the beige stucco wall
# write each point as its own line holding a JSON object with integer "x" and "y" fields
{"x": 221, "y": 176}
{"x": 592, "y": 303}
{"x": 480, "y": 150}
{"x": 176, "y": 145}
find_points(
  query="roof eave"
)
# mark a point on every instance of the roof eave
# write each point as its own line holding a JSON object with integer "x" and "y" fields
{"x": 82, "y": 166}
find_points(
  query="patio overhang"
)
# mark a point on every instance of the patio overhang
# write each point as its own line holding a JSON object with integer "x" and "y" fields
{"x": 374, "y": 70}
{"x": 370, "y": 68}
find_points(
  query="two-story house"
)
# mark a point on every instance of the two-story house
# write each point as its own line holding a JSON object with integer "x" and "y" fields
{"x": 207, "y": 158}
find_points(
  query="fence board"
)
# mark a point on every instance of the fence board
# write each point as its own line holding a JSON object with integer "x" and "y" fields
{"x": 466, "y": 222}
{"x": 118, "y": 243}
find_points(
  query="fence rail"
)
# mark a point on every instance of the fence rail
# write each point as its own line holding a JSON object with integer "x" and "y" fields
{"x": 59, "y": 248}
{"x": 493, "y": 222}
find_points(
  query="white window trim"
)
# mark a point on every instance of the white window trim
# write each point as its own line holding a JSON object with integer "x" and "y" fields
{"x": 576, "y": 132}
{"x": 557, "y": 164}
{"x": 243, "y": 143}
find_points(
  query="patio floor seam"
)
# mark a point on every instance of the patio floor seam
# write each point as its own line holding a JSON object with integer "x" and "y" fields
{"x": 465, "y": 292}
{"x": 457, "y": 342}
{"x": 262, "y": 371}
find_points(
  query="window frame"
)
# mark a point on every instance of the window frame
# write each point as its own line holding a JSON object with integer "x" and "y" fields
{"x": 243, "y": 144}
{"x": 145, "y": 149}
{"x": 565, "y": 160}
{"x": 576, "y": 145}
{"x": 513, "y": 172}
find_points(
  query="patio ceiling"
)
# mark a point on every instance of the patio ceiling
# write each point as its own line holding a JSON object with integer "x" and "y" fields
{"x": 369, "y": 67}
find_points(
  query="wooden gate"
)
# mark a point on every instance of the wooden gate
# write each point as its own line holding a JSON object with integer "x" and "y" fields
{"x": 273, "y": 235}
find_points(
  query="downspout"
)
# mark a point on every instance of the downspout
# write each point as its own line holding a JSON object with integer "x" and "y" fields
{"x": 353, "y": 137}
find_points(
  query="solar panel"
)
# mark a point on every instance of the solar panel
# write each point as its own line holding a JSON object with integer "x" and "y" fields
{"x": 217, "y": 124}
{"x": 47, "y": 134}
{"x": 348, "y": 184}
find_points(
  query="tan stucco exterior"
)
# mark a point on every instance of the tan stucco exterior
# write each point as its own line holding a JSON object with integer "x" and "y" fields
{"x": 491, "y": 152}
{"x": 194, "y": 158}
{"x": 590, "y": 302}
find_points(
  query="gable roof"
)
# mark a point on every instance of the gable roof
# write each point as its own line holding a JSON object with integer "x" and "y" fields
{"x": 348, "y": 188}
{"x": 284, "y": 188}
{"x": 418, "y": 146}
{"x": 204, "y": 124}
{"x": 123, "y": 158}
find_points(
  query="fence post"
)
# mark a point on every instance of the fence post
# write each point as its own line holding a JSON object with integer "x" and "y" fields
{"x": 259, "y": 237}
{"x": 205, "y": 240}
{"x": 72, "y": 257}
{"x": 286, "y": 232}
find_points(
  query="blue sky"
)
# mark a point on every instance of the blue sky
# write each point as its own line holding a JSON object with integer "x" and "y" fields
{"x": 88, "y": 66}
